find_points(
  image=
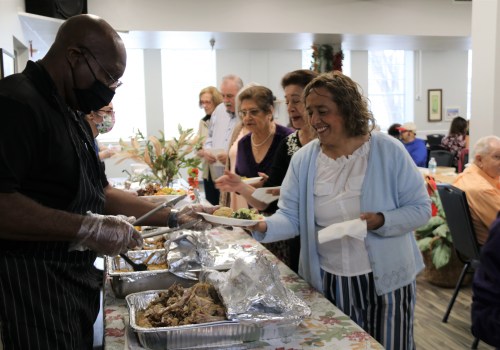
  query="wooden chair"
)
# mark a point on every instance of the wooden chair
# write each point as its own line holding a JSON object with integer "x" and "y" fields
{"x": 459, "y": 221}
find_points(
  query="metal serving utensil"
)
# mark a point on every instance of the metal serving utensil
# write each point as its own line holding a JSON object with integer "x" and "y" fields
{"x": 161, "y": 232}
{"x": 135, "y": 266}
{"x": 166, "y": 204}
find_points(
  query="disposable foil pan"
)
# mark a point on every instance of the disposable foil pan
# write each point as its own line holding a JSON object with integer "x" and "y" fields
{"x": 124, "y": 283}
{"x": 200, "y": 336}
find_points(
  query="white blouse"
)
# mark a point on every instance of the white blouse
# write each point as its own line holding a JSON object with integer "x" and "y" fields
{"x": 337, "y": 192}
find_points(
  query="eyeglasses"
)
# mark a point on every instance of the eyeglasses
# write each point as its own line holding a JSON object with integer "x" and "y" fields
{"x": 251, "y": 112}
{"x": 102, "y": 113}
{"x": 115, "y": 82}
{"x": 203, "y": 103}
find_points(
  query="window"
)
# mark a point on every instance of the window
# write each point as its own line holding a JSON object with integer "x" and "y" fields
{"x": 129, "y": 101}
{"x": 390, "y": 86}
{"x": 184, "y": 74}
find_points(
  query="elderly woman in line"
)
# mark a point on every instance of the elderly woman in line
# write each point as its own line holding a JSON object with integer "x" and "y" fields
{"x": 256, "y": 150}
{"x": 293, "y": 84}
{"x": 209, "y": 98}
{"x": 354, "y": 196}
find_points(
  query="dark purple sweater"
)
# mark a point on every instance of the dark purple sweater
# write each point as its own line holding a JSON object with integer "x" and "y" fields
{"x": 245, "y": 162}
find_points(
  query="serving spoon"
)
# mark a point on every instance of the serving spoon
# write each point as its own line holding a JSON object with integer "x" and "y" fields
{"x": 135, "y": 266}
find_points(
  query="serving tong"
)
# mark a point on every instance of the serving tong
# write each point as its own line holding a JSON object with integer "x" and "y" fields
{"x": 167, "y": 204}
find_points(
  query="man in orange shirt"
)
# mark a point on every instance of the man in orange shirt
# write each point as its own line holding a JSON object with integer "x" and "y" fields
{"x": 481, "y": 183}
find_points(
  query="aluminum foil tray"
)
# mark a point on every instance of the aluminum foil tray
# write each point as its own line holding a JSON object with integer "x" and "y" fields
{"x": 200, "y": 336}
{"x": 124, "y": 283}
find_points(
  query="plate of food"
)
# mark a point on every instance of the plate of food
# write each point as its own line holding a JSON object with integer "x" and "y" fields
{"x": 251, "y": 180}
{"x": 160, "y": 198}
{"x": 226, "y": 216}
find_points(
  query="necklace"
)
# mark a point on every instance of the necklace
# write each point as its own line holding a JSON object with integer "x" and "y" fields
{"x": 257, "y": 145}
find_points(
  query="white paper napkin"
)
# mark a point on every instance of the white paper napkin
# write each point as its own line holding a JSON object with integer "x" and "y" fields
{"x": 354, "y": 228}
{"x": 262, "y": 195}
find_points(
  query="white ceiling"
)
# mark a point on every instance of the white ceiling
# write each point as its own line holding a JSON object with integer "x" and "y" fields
{"x": 41, "y": 31}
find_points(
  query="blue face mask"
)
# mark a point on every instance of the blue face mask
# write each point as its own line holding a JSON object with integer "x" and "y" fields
{"x": 94, "y": 98}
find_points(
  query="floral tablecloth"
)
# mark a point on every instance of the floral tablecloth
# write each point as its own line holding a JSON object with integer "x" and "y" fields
{"x": 326, "y": 328}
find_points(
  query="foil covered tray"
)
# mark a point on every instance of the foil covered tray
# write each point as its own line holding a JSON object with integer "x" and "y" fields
{"x": 201, "y": 336}
{"x": 126, "y": 282}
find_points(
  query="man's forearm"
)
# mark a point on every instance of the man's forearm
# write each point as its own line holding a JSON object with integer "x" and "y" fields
{"x": 120, "y": 202}
{"x": 21, "y": 218}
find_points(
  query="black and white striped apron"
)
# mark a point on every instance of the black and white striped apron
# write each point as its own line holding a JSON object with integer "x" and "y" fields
{"x": 51, "y": 296}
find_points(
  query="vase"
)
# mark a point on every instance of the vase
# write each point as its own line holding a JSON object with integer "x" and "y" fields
{"x": 448, "y": 275}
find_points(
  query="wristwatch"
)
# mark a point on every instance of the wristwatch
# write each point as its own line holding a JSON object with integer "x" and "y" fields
{"x": 172, "y": 218}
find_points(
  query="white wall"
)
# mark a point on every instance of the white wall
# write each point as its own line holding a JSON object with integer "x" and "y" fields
{"x": 398, "y": 17}
{"x": 446, "y": 70}
{"x": 10, "y": 25}
{"x": 265, "y": 67}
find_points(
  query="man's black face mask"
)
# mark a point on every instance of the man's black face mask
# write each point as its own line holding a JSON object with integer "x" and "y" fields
{"x": 94, "y": 98}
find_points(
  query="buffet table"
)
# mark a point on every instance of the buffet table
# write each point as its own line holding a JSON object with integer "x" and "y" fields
{"x": 326, "y": 328}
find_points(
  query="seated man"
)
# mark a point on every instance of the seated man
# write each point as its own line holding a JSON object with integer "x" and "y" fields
{"x": 416, "y": 147}
{"x": 485, "y": 310}
{"x": 480, "y": 181}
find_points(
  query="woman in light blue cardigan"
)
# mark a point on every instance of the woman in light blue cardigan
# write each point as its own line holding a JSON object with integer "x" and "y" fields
{"x": 391, "y": 200}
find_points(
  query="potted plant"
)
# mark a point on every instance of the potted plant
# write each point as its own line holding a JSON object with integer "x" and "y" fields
{"x": 442, "y": 266}
{"x": 165, "y": 158}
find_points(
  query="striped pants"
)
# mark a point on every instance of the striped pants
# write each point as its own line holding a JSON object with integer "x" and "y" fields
{"x": 388, "y": 318}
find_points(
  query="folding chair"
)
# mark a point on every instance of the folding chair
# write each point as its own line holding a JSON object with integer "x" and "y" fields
{"x": 459, "y": 221}
{"x": 434, "y": 139}
{"x": 442, "y": 157}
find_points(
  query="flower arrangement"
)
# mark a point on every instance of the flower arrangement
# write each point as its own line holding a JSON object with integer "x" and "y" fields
{"x": 435, "y": 236}
{"x": 165, "y": 158}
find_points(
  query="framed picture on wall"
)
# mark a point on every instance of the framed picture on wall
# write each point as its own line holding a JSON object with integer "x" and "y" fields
{"x": 7, "y": 64}
{"x": 435, "y": 105}
{"x": 451, "y": 112}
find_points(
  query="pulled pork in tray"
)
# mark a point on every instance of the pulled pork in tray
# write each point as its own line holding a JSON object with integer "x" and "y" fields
{"x": 182, "y": 306}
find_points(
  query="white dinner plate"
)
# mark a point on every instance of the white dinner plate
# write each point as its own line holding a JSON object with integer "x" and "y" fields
{"x": 252, "y": 180}
{"x": 222, "y": 220}
{"x": 262, "y": 195}
{"x": 160, "y": 198}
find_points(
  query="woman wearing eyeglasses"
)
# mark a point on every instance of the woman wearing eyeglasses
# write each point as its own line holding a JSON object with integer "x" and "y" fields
{"x": 256, "y": 150}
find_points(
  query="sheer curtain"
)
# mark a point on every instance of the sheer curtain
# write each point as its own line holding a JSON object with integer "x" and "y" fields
{"x": 184, "y": 74}
{"x": 390, "y": 86}
{"x": 129, "y": 101}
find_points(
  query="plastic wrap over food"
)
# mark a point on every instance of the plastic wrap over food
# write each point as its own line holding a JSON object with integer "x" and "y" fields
{"x": 253, "y": 292}
{"x": 192, "y": 251}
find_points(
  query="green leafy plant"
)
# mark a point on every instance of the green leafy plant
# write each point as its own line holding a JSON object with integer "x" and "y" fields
{"x": 165, "y": 158}
{"x": 435, "y": 236}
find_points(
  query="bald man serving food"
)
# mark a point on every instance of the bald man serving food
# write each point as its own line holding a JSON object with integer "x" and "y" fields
{"x": 57, "y": 210}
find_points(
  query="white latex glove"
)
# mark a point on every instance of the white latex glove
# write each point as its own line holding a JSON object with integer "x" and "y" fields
{"x": 107, "y": 234}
